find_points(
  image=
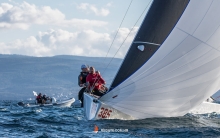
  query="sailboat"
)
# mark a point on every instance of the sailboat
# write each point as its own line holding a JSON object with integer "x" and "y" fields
{"x": 171, "y": 67}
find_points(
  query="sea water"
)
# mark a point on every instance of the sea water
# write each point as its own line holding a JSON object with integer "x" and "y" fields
{"x": 46, "y": 122}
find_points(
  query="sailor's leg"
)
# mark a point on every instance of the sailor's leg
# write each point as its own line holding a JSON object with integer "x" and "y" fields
{"x": 80, "y": 95}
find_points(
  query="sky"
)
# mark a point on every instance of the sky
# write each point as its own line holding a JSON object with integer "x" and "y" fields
{"x": 44, "y": 28}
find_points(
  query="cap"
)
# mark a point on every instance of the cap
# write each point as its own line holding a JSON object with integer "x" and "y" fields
{"x": 83, "y": 66}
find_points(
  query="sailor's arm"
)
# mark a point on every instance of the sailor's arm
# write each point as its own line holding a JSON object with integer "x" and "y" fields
{"x": 80, "y": 81}
{"x": 102, "y": 80}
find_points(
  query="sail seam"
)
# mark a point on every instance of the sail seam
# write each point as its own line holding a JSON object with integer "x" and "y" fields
{"x": 133, "y": 111}
{"x": 155, "y": 100}
{"x": 198, "y": 39}
{"x": 166, "y": 92}
{"x": 173, "y": 70}
{"x": 203, "y": 17}
{"x": 180, "y": 82}
{"x": 153, "y": 65}
{"x": 171, "y": 51}
{"x": 188, "y": 78}
{"x": 193, "y": 98}
{"x": 163, "y": 92}
{"x": 141, "y": 104}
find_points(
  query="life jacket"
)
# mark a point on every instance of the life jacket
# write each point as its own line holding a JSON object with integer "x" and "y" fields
{"x": 83, "y": 76}
{"x": 45, "y": 98}
{"x": 95, "y": 81}
{"x": 38, "y": 97}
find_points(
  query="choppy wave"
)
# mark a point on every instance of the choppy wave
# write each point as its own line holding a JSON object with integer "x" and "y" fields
{"x": 16, "y": 121}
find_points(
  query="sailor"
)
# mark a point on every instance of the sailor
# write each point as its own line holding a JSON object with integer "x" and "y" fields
{"x": 94, "y": 82}
{"x": 44, "y": 99}
{"x": 39, "y": 98}
{"x": 103, "y": 88}
{"x": 82, "y": 82}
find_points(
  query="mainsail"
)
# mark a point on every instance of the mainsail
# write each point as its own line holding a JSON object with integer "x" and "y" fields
{"x": 173, "y": 63}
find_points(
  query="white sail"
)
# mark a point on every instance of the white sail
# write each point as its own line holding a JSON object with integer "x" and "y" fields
{"x": 183, "y": 72}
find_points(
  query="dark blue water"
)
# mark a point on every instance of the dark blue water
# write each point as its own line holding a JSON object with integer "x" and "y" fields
{"x": 43, "y": 122}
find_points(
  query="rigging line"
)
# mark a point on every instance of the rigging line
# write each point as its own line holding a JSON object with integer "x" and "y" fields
{"x": 129, "y": 32}
{"x": 126, "y": 37}
{"x": 118, "y": 29}
{"x": 114, "y": 38}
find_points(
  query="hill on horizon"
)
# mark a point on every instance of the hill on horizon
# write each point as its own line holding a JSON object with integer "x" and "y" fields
{"x": 55, "y": 76}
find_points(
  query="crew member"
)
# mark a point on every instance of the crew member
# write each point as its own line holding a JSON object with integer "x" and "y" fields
{"x": 39, "y": 98}
{"x": 82, "y": 82}
{"x": 94, "y": 82}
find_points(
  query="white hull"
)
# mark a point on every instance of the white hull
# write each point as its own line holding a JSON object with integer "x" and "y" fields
{"x": 66, "y": 103}
{"x": 95, "y": 109}
{"x": 206, "y": 107}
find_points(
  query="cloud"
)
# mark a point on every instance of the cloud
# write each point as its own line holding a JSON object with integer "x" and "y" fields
{"x": 24, "y": 15}
{"x": 62, "y": 42}
{"x": 109, "y": 4}
{"x": 83, "y": 23}
{"x": 92, "y": 8}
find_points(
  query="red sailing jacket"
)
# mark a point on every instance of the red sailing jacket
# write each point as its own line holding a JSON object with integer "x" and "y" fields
{"x": 95, "y": 80}
{"x": 38, "y": 97}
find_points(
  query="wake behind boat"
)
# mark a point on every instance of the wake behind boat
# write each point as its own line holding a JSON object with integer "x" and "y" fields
{"x": 207, "y": 107}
